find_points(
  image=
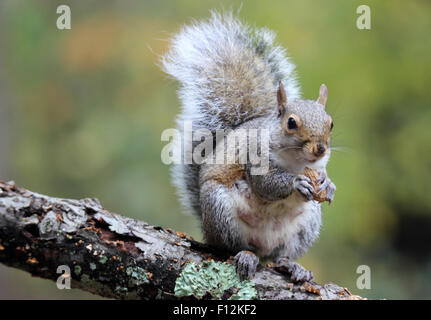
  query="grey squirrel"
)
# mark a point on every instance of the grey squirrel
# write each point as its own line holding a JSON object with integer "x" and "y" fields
{"x": 232, "y": 77}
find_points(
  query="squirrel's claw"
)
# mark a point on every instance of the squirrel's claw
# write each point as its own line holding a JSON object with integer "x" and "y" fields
{"x": 326, "y": 184}
{"x": 330, "y": 190}
{"x": 297, "y": 272}
{"x": 246, "y": 263}
{"x": 303, "y": 186}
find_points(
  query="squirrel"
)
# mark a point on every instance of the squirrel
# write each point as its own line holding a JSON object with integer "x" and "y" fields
{"x": 234, "y": 77}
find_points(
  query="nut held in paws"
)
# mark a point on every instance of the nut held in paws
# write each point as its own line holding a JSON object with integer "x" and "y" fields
{"x": 314, "y": 177}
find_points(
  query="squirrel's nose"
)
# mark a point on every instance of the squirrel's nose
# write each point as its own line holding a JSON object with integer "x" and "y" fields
{"x": 319, "y": 150}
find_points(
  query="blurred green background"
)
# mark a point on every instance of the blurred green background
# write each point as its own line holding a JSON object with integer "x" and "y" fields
{"x": 82, "y": 111}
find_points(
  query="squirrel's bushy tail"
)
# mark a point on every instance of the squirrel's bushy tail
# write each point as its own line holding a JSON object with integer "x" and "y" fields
{"x": 228, "y": 74}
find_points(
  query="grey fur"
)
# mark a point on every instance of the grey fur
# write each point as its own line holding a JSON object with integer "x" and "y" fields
{"x": 218, "y": 225}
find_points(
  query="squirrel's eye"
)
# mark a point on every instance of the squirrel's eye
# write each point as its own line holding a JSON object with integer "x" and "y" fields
{"x": 291, "y": 123}
{"x": 332, "y": 124}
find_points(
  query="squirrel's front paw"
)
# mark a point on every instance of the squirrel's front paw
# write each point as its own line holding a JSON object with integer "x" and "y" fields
{"x": 297, "y": 272}
{"x": 246, "y": 263}
{"x": 326, "y": 184}
{"x": 303, "y": 185}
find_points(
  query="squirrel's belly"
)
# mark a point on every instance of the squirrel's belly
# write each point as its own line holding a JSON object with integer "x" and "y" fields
{"x": 268, "y": 226}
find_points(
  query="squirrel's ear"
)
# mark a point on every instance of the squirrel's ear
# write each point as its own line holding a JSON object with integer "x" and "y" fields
{"x": 281, "y": 98}
{"x": 323, "y": 95}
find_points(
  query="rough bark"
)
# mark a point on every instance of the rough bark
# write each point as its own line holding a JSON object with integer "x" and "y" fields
{"x": 114, "y": 256}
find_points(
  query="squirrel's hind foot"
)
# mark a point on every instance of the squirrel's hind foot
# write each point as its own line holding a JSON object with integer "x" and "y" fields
{"x": 246, "y": 264}
{"x": 297, "y": 272}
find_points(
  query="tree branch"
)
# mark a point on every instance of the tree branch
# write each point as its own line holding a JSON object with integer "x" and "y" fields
{"x": 115, "y": 256}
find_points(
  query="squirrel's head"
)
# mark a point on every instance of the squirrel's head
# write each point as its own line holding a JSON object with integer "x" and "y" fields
{"x": 305, "y": 124}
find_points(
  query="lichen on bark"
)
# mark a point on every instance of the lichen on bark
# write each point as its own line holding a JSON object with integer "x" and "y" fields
{"x": 215, "y": 279}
